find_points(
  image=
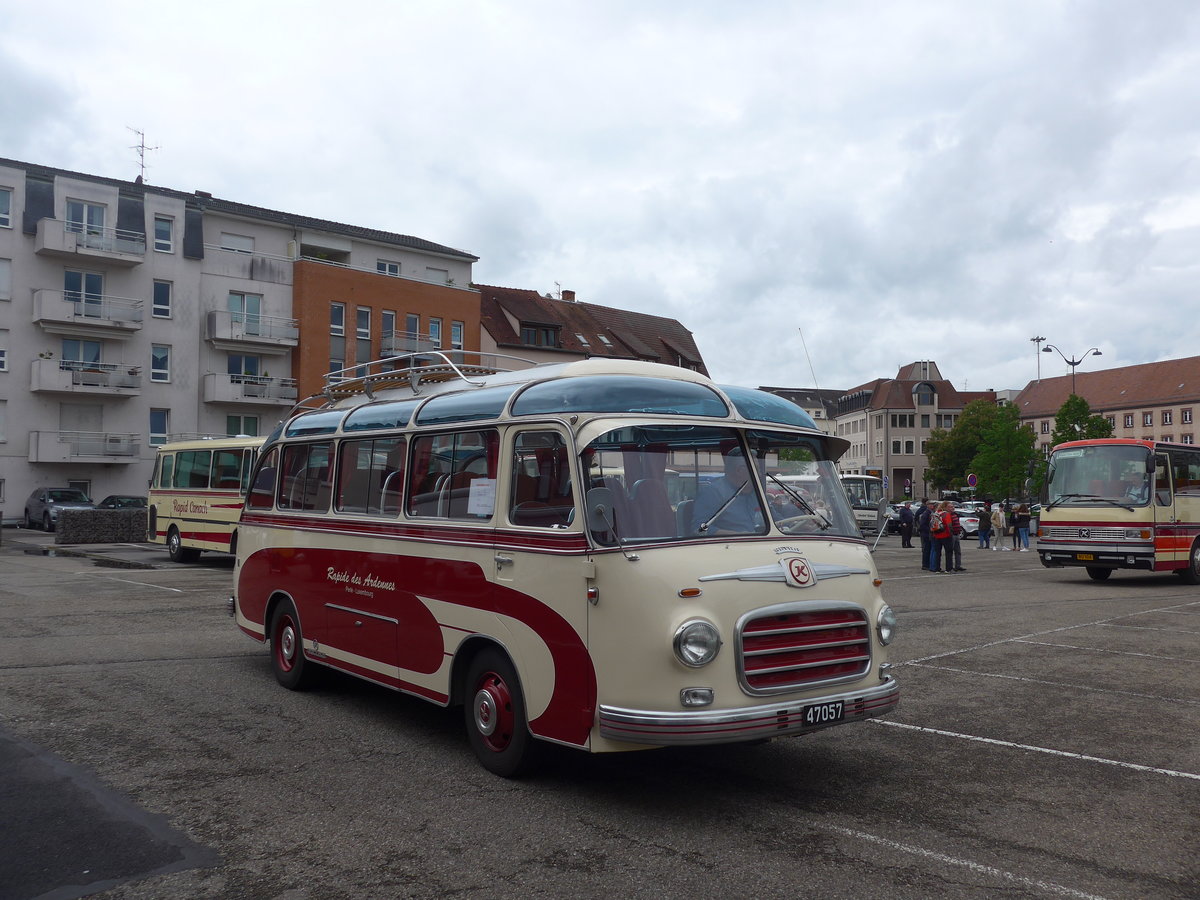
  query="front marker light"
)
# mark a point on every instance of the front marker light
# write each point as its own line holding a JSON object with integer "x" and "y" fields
{"x": 696, "y": 643}
{"x": 885, "y": 624}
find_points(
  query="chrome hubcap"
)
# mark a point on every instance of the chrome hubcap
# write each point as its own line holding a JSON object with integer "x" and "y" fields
{"x": 485, "y": 713}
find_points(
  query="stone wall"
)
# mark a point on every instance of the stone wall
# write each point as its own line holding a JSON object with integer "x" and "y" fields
{"x": 100, "y": 526}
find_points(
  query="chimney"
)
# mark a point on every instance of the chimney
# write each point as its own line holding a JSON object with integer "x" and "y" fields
{"x": 568, "y": 296}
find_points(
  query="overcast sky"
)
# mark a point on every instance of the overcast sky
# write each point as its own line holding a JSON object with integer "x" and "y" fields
{"x": 882, "y": 182}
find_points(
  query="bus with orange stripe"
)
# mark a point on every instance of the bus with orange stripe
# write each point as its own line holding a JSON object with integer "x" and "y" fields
{"x": 602, "y": 554}
{"x": 196, "y": 494}
{"x": 1116, "y": 503}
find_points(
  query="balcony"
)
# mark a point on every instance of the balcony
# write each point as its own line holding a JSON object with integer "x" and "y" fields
{"x": 237, "y": 332}
{"x": 83, "y": 446}
{"x": 258, "y": 390}
{"x": 397, "y": 343}
{"x": 69, "y": 376}
{"x": 86, "y": 315}
{"x": 79, "y": 242}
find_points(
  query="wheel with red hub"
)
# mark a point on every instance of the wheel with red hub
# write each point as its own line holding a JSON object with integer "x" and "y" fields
{"x": 495, "y": 715}
{"x": 291, "y": 668}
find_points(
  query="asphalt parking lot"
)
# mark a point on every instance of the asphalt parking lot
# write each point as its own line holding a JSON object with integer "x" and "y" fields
{"x": 1045, "y": 746}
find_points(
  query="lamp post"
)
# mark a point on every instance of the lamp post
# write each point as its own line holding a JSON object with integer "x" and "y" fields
{"x": 1037, "y": 341}
{"x": 1071, "y": 362}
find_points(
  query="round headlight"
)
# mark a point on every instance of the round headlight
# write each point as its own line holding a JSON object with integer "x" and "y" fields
{"x": 886, "y": 625}
{"x": 696, "y": 643}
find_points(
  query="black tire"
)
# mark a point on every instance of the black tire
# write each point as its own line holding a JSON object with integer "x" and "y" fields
{"x": 177, "y": 551}
{"x": 1098, "y": 573}
{"x": 495, "y": 716}
{"x": 292, "y": 669}
{"x": 1191, "y": 574}
{"x": 47, "y": 523}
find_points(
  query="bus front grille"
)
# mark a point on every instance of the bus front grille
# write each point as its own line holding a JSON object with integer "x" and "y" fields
{"x": 801, "y": 648}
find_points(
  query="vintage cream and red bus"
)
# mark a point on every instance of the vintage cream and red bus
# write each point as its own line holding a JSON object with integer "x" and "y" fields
{"x": 196, "y": 494}
{"x": 1122, "y": 504}
{"x": 505, "y": 540}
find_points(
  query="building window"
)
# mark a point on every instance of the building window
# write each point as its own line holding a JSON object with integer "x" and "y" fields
{"x": 239, "y": 425}
{"x": 879, "y": 421}
{"x": 895, "y": 446}
{"x": 78, "y": 354}
{"x": 5, "y": 207}
{"x": 362, "y": 323}
{"x": 437, "y": 276}
{"x": 85, "y": 218}
{"x": 1045, "y": 427}
{"x": 3, "y": 349}
{"x": 1147, "y": 418}
{"x": 3, "y": 416}
{"x": 385, "y": 267}
{"x": 388, "y": 324}
{"x": 435, "y": 333}
{"x": 542, "y": 335}
{"x": 899, "y": 420}
{"x": 604, "y": 340}
{"x": 456, "y": 335}
{"x": 163, "y": 240}
{"x": 5, "y": 279}
{"x": 1188, "y": 439}
{"x": 1186, "y": 413}
{"x": 160, "y": 426}
{"x": 243, "y": 368}
{"x": 924, "y": 394}
{"x": 238, "y": 243}
{"x": 160, "y": 362}
{"x": 336, "y": 364}
{"x": 909, "y": 447}
{"x": 1169, "y": 438}
{"x": 337, "y": 318}
{"x": 246, "y": 310}
{"x": 1128, "y": 420}
{"x": 161, "y": 308}
{"x": 86, "y": 291}
{"x": 1167, "y": 416}
{"x": 924, "y": 420}
{"x": 1111, "y": 420}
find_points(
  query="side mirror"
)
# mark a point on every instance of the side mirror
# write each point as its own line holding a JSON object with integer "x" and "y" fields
{"x": 600, "y": 516}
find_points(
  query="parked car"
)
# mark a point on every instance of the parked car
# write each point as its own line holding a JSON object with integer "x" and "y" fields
{"x": 122, "y": 501}
{"x": 44, "y": 505}
{"x": 969, "y": 522}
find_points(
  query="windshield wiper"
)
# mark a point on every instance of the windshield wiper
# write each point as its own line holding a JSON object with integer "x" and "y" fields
{"x": 822, "y": 521}
{"x": 1061, "y": 497}
{"x": 724, "y": 506}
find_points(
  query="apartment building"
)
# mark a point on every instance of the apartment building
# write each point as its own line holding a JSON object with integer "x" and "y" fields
{"x": 131, "y": 314}
{"x": 1150, "y": 401}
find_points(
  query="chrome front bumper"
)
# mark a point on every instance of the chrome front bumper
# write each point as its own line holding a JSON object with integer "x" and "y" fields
{"x": 714, "y": 726}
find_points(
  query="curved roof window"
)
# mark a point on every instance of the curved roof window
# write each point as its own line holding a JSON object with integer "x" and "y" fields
{"x": 394, "y": 414}
{"x": 620, "y": 393}
{"x": 323, "y": 421}
{"x": 762, "y": 406}
{"x": 924, "y": 393}
{"x": 466, "y": 406}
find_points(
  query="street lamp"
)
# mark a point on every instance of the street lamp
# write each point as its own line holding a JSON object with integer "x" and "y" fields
{"x": 1038, "y": 341}
{"x": 1071, "y": 362}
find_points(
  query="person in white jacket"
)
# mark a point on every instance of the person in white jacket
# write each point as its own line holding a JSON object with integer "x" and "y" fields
{"x": 997, "y": 526}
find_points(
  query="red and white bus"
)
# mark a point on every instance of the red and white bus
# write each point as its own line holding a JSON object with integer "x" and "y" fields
{"x": 1122, "y": 504}
{"x": 599, "y": 554}
{"x": 196, "y": 494}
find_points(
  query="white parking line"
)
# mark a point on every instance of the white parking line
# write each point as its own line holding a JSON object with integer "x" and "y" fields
{"x": 1147, "y": 628}
{"x": 129, "y": 581}
{"x": 1102, "y": 650}
{"x": 1047, "y": 750}
{"x": 979, "y": 868}
{"x": 1091, "y": 689}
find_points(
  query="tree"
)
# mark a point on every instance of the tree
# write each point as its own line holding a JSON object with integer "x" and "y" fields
{"x": 950, "y": 453}
{"x": 1004, "y": 453}
{"x": 1075, "y": 422}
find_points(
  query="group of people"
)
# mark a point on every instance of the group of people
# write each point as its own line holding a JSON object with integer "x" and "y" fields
{"x": 940, "y": 530}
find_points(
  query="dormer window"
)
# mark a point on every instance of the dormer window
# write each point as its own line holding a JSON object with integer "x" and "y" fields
{"x": 539, "y": 335}
{"x": 924, "y": 394}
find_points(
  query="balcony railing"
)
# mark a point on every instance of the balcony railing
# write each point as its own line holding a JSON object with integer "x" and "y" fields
{"x": 83, "y": 446}
{"x": 395, "y": 343}
{"x": 239, "y": 329}
{"x": 255, "y": 389}
{"x": 74, "y": 312}
{"x": 76, "y": 239}
{"x": 70, "y": 376}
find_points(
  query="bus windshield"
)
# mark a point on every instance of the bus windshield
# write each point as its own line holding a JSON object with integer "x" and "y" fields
{"x": 668, "y": 483}
{"x": 1104, "y": 473}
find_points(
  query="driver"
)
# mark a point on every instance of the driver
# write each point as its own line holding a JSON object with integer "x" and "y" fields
{"x": 743, "y": 515}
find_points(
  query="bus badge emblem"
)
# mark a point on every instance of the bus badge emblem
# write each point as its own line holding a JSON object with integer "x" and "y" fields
{"x": 797, "y": 571}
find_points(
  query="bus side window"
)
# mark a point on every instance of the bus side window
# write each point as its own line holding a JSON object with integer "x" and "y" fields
{"x": 370, "y": 476}
{"x": 1162, "y": 481}
{"x": 541, "y": 494}
{"x": 262, "y": 494}
{"x": 192, "y": 469}
{"x": 227, "y": 470}
{"x": 453, "y": 475}
{"x": 306, "y": 483}
{"x": 167, "y": 471}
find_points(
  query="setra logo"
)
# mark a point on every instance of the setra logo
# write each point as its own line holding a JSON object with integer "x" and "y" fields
{"x": 798, "y": 571}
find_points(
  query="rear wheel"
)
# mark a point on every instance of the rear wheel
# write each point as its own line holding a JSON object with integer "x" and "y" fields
{"x": 495, "y": 715}
{"x": 291, "y": 668}
{"x": 1096, "y": 573}
{"x": 177, "y": 551}
{"x": 1191, "y": 574}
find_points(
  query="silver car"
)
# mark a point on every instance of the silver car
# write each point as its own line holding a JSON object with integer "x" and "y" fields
{"x": 44, "y": 504}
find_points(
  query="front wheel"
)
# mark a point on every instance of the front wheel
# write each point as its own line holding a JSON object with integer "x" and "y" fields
{"x": 495, "y": 715}
{"x": 1191, "y": 574}
{"x": 176, "y": 550}
{"x": 1096, "y": 573}
{"x": 47, "y": 522}
{"x": 288, "y": 662}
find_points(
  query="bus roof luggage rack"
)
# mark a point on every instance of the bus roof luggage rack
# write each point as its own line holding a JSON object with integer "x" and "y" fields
{"x": 412, "y": 370}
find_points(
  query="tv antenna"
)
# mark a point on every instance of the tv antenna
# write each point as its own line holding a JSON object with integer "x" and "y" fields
{"x": 141, "y": 149}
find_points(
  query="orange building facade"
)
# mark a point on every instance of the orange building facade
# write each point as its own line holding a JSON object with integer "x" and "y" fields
{"x": 348, "y": 317}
